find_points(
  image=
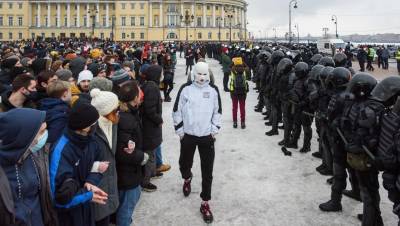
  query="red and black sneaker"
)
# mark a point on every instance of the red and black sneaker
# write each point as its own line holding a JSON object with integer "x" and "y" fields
{"x": 186, "y": 187}
{"x": 206, "y": 212}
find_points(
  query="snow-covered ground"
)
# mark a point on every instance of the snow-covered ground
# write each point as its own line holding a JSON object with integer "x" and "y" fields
{"x": 254, "y": 183}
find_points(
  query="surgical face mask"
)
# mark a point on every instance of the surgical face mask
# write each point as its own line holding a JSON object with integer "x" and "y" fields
{"x": 31, "y": 96}
{"x": 41, "y": 142}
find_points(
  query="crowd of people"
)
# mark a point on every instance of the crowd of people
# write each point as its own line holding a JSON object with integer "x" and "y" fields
{"x": 81, "y": 123}
{"x": 81, "y": 129}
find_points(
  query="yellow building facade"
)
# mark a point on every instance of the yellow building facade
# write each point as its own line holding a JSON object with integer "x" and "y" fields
{"x": 129, "y": 20}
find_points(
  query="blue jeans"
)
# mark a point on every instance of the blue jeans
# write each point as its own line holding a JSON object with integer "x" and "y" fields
{"x": 159, "y": 161}
{"x": 127, "y": 202}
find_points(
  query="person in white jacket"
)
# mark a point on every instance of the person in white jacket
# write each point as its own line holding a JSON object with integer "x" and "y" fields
{"x": 197, "y": 119}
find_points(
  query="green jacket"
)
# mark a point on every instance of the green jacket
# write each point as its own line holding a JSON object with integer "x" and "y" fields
{"x": 371, "y": 52}
{"x": 226, "y": 63}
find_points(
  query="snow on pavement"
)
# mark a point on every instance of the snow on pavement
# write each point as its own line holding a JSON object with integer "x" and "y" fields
{"x": 254, "y": 183}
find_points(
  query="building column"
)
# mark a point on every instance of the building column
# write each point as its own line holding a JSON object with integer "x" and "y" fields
{"x": 193, "y": 13}
{"x": 98, "y": 13}
{"x": 161, "y": 15}
{"x": 213, "y": 16}
{"x": 204, "y": 15}
{"x": 236, "y": 16}
{"x": 78, "y": 15}
{"x": 38, "y": 14}
{"x": 59, "y": 15}
{"x": 48, "y": 15}
{"x": 107, "y": 15}
{"x": 223, "y": 16}
{"x": 243, "y": 25}
{"x": 182, "y": 12}
{"x": 30, "y": 14}
{"x": 68, "y": 14}
{"x": 150, "y": 14}
{"x": 87, "y": 15}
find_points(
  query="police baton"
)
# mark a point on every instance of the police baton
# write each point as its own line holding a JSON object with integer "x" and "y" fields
{"x": 369, "y": 153}
{"x": 311, "y": 115}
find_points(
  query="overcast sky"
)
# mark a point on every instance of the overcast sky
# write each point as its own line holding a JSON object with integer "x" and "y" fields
{"x": 354, "y": 16}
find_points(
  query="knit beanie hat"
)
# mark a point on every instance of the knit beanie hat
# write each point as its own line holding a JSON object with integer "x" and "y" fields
{"x": 82, "y": 115}
{"x": 9, "y": 63}
{"x": 105, "y": 102}
{"x": 101, "y": 83}
{"x": 120, "y": 77}
{"x": 64, "y": 74}
{"x": 24, "y": 61}
{"x": 85, "y": 75}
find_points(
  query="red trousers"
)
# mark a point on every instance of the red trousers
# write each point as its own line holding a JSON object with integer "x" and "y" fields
{"x": 241, "y": 101}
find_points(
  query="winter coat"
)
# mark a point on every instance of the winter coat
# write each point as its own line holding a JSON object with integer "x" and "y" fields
{"x": 152, "y": 110}
{"x": 129, "y": 169}
{"x": 5, "y": 104}
{"x": 226, "y": 63}
{"x": 56, "y": 117}
{"x": 6, "y": 76}
{"x": 109, "y": 181}
{"x": 71, "y": 163}
{"x": 6, "y": 201}
{"x": 385, "y": 54}
{"x": 197, "y": 110}
{"x": 189, "y": 58}
{"x": 232, "y": 84}
{"x": 26, "y": 172}
{"x": 362, "y": 55}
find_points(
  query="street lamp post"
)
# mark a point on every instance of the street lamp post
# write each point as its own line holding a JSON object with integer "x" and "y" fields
{"x": 219, "y": 20}
{"x": 230, "y": 12}
{"x": 93, "y": 13}
{"x": 187, "y": 20}
{"x": 334, "y": 19}
{"x": 290, "y": 18}
{"x": 298, "y": 34}
{"x": 274, "y": 29}
{"x": 245, "y": 31}
{"x": 112, "y": 28}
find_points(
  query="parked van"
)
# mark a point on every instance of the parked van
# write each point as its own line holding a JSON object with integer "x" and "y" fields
{"x": 330, "y": 46}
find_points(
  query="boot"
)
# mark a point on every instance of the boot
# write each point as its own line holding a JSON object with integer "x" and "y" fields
{"x": 149, "y": 187}
{"x": 163, "y": 168}
{"x": 305, "y": 149}
{"x": 281, "y": 127}
{"x": 265, "y": 113}
{"x": 206, "y": 212}
{"x": 235, "y": 125}
{"x": 258, "y": 110}
{"x": 352, "y": 194}
{"x": 292, "y": 144}
{"x": 243, "y": 125}
{"x": 330, "y": 180}
{"x": 186, "y": 187}
{"x": 266, "y": 118}
{"x": 333, "y": 205}
{"x": 317, "y": 154}
{"x": 272, "y": 133}
{"x": 268, "y": 123}
{"x": 325, "y": 172}
{"x": 360, "y": 217}
{"x": 282, "y": 143}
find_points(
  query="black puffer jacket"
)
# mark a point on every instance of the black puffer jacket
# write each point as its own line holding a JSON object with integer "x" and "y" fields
{"x": 129, "y": 169}
{"x": 152, "y": 109}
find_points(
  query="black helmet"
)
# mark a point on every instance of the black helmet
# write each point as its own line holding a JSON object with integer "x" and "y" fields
{"x": 362, "y": 84}
{"x": 285, "y": 66}
{"x": 276, "y": 57}
{"x": 338, "y": 78}
{"x": 340, "y": 59}
{"x": 315, "y": 72}
{"x": 387, "y": 89}
{"x": 327, "y": 61}
{"x": 301, "y": 70}
{"x": 316, "y": 58}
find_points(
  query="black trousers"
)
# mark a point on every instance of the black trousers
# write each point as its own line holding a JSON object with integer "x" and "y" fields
{"x": 207, "y": 155}
{"x": 287, "y": 121}
{"x": 187, "y": 69}
{"x": 226, "y": 80}
{"x": 362, "y": 65}
{"x": 369, "y": 187}
{"x": 303, "y": 121}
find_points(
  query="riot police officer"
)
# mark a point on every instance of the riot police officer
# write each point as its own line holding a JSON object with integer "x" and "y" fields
{"x": 299, "y": 99}
{"x": 360, "y": 128}
{"x": 337, "y": 81}
{"x": 286, "y": 80}
{"x": 388, "y": 92}
{"x": 272, "y": 92}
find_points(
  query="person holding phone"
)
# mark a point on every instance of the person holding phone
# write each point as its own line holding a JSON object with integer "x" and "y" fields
{"x": 129, "y": 156}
